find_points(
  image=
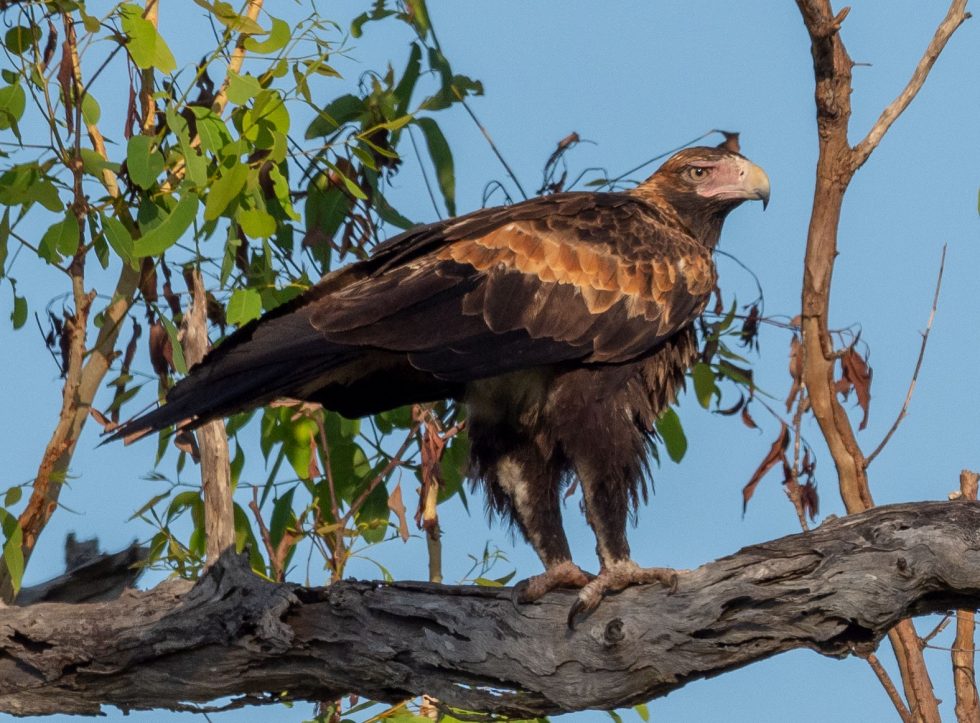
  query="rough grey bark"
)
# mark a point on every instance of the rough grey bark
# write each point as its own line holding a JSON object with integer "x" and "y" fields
{"x": 836, "y": 590}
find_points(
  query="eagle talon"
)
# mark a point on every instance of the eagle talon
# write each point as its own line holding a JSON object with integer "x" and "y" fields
{"x": 577, "y": 607}
{"x": 518, "y": 594}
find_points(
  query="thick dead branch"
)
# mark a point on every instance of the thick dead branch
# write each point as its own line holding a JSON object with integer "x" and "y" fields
{"x": 836, "y": 590}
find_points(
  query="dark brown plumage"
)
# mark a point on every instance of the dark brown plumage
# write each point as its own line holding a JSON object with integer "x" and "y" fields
{"x": 564, "y": 323}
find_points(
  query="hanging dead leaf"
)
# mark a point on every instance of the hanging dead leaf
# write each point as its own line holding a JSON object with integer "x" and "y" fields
{"x": 50, "y": 46}
{"x": 313, "y": 469}
{"x": 856, "y": 375}
{"x": 161, "y": 351}
{"x": 747, "y": 418}
{"x": 397, "y": 506}
{"x": 810, "y": 500}
{"x": 173, "y": 301}
{"x": 148, "y": 280}
{"x": 776, "y": 454}
{"x": 749, "y": 335}
{"x": 65, "y": 78}
{"x": 734, "y": 409}
{"x": 731, "y": 141}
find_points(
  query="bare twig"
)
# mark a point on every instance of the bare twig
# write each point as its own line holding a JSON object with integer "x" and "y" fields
{"x": 955, "y": 16}
{"x": 889, "y": 686}
{"x": 394, "y": 461}
{"x": 493, "y": 146}
{"x": 918, "y": 364}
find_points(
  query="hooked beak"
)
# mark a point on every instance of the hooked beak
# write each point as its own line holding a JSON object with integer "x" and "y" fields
{"x": 754, "y": 182}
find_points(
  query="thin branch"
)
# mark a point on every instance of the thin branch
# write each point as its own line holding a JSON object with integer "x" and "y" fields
{"x": 918, "y": 364}
{"x": 493, "y": 146}
{"x": 394, "y": 461}
{"x": 425, "y": 176}
{"x": 889, "y": 686}
{"x": 955, "y": 16}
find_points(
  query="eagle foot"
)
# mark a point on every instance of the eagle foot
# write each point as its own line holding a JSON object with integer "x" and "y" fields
{"x": 618, "y": 576}
{"x": 563, "y": 575}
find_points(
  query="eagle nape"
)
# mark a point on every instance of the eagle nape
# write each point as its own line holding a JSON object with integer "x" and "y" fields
{"x": 564, "y": 323}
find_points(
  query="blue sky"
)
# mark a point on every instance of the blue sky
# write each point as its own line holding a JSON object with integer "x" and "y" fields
{"x": 636, "y": 79}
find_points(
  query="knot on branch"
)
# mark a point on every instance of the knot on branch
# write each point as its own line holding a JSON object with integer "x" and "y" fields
{"x": 825, "y": 29}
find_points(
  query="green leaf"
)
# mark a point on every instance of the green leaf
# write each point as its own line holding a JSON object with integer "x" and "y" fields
{"x": 242, "y": 87}
{"x": 243, "y": 306}
{"x": 19, "y": 315}
{"x": 671, "y": 431}
{"x": 419, "y": 16}
{"x": 267, "y": 116}
{"x": 13, "y": 557}
{"x": 165, "y": 234}
{"x": 256, "y": 222}
{"x": 344, "y": 109}
{"x": 21, "y": 38}
{"x": 90, "y": 109}
{"x": 60, "y": 239}
{"x": 143, "y": 161}
{"x": 281, "y": 187}
{"x": 225, "y": 14}
{"x": 13, "y": 101}
{"x": 149, "y": 505}
{"x": 442, "y": 159}
{"x": 212, "y": 129}
{"x": 406, "y": 86}
{"x": 704, "y": 383}
{"x": 119, "y": 239}
{"x": 279, "y": 35}
{"x": 180, "y": 364}
{"x": 349, "y": 184}
{"x": 145, "y": 45}
{"x": 282, "y": 516}
{"x": 642, "y": 711}
{"x": 12, "y": 496}
{"x": 224, "y": 190}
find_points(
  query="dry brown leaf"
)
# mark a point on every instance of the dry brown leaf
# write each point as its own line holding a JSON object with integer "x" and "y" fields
{"x": 775, "y": 455}
{"x": 734, "y": 409}
{"x": 856, "y": 374}
{"x": 731, "y": 141}
{"x": 810, "y": 500}
{"x": 161, "y": 351}
{"x": 313, "y": 470}
{"x": 65, "y": 77}
{"x": 747, "y": 418}
{"x": 749, "y": 335}
{"x": 397, "y": 506}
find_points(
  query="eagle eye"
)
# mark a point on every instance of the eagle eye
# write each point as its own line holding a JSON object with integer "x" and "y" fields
{"x": 696, "y": 173}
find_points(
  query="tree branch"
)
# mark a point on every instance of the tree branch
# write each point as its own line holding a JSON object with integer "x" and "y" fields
{"x": 212, "y": 441}
{"x": 835, "y": 590}
{"x": 955, "y": 16}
